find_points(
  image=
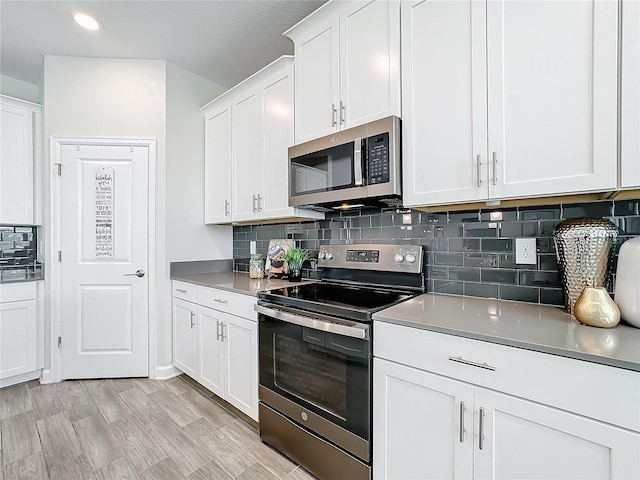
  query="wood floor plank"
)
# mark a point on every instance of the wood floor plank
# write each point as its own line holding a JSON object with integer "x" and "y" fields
{"x": 98, "y": 441}
{"x": 141, "y": 448}
{"x": 178, "y": 411}
{"x": 234, "y": 458}
{"x": 186, "y": 451}
{"x": 207, "y": 408}
{"x": 31, "y": 467}
{"x": 19, "y": 437}
{"x": 120, "y": 385}
{"x": 121, "y": 469}
{"x": 142, "y": 405}
{"x": 300, "y": 474}
{"x": 164, "y": 470}
{"x": 107, "y": 400}
{"x": 149, "y": 386}
{"x": 49, "y": 399}
{"x": 243, "y": 435}
{"x": 57, "y": 433}
{"x": 176, "y": 385}
{"x": 257, "y": 472}
{"x": 79, "y": 403}
{"x": 14, "y": 400}
{"x": 63, "y": 467}
{"x": 209, "y": 471}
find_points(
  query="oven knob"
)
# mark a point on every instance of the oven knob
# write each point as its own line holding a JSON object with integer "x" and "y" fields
{"x": 410, "y": 257}
{"x": 321, "y": 255}
{"x": 328, "y": 255}
{"x": 399, "y": 257}
{"x": 304, "y": 416}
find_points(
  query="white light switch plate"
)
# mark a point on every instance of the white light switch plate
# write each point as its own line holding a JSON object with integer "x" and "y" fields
{"x": 526, "y": 251}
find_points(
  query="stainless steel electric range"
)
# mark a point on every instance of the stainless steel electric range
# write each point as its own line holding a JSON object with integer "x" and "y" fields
{"x": 315, "y": 353}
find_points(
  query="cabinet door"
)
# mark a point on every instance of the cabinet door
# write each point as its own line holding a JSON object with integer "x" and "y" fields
{"x": 444, "y": 102}
{"x": 552, "y": 105}
{"x": 241, "y": 338}
{"x": 211, "y": 350}
{"x": 246, "y": 155}
{"x": 317, "y": 80}
{"x": 630, "y": 96}
{"x": 17, "y": 338}
{"x": 422, "y": 424}
{"x": 369, "y": 61}
{"x": 184, "y": 336}
{"x": 16, "y": 165}
{"x": 217, "y": 164}
{"x": 277, "y": 125}
{"x": 528, "y": 440}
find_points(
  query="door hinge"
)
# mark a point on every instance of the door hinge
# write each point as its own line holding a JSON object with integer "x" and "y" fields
{"x": 59, "y": 167}
{"x": 59, "y": 255}
{"x": 59, "y": 342}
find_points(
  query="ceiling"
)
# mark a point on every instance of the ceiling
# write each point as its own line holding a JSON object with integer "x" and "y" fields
{"x": 222, "y": 40}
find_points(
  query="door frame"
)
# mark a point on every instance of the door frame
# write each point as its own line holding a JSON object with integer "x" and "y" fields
{"x": 53, "y": 308}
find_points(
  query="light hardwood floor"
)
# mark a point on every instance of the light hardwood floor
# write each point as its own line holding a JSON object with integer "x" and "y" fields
{"x": 129, "y": 428}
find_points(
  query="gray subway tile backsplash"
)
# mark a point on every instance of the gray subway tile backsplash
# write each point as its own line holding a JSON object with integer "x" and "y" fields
{"x": 467, "y": 253}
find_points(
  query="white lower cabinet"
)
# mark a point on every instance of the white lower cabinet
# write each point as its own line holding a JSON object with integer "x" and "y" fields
{"x": 428, "y": 425}
{"x": 20, "y": 343}
{"x": 216, "y": 343}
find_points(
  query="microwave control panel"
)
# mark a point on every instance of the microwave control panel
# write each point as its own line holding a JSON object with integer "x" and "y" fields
{"x": 378, "y": 159}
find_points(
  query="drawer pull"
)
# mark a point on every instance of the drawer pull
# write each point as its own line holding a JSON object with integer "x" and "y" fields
{"x": 181, "y": 290}
{"x": 193, "y": 319}
{"x": 486, "y": 366}
{"x": 481, "y": 433}
{"x": 462, "y": 429}
{"x": 219, "y": 300}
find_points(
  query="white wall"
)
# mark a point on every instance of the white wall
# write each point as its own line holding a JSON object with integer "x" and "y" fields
{"x": 19, "y": 89}
{"x": 91, "y": 97}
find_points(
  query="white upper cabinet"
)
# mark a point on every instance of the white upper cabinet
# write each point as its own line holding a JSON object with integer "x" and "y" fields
{"x": 217, "y": 166}
{"x": 506, "y": 99}
{"x": 19, "y": 149}
{"x": 248, "y": 131}
{"x": 347, "y": 66}
{"x": 630, "y": 96}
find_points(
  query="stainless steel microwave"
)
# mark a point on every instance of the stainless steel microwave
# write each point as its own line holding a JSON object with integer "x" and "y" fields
{"x": 354, "y": 167}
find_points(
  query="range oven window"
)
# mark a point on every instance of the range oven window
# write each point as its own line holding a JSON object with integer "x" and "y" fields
{"x": 323, "y": 372}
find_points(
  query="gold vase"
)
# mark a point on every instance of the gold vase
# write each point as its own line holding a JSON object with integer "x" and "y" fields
{"x": 596, "y": 308}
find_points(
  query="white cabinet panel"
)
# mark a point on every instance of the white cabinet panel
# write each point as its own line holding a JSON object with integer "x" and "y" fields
{"x": 184, "y": 336}
{"x": 18, "y": 151}
{"x": 211, "y": 350}
{"x": 241, "y": 339}
{"x": 630, "y": 96}
{"x": 217, "y": 165}
{"x": 17, "y": 338}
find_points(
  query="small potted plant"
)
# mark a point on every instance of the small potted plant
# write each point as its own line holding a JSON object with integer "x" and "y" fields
{"x": 295, "y": 258}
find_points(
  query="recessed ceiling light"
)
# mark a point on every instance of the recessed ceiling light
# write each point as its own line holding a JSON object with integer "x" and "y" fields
{"x": 86, "y": 21}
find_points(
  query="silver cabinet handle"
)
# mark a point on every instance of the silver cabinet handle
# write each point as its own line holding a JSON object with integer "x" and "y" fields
{"x": 222, "y": 331}
{"x": 226, "y": 208}
{"x": 486, "y": 366}
{"x": 259, "y": 202}
{"x": 342, "y": 115}
{"x": 181, "y": 290}
{"x": 255, "y": 200}
{"x": 479, "y": 171}
{"x": 219, "y": 300}
{"x": 495, "y": 168}
{"x": 481, "y": 433}
{"x": 357, "y": 162}
{"x": 462, "y": 429}
{"x": 193, "y": 319}
{"x": 218, "y": 330}
{"x": 334, "y": 113}
{"x": 139, "y": 273}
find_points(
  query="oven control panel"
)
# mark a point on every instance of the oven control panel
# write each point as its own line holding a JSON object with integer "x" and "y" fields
{"x": 391, "y": 258}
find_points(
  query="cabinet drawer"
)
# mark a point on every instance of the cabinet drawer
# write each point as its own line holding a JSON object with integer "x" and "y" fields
{"x": 17, "y": 292}
{"x": 229, "y": 302}
{"x": 185, "y": 291}
{"x": 574, "y": 385}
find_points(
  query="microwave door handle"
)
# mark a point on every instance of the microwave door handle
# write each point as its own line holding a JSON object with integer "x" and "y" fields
{"x": 357, "y": 162}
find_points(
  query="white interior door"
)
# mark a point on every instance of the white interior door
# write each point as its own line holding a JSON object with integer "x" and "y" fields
{"x": 104, "y": 239}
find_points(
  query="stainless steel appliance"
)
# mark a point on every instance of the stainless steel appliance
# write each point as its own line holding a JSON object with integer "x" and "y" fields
{"x": 315, "y": 354}
{"x": 357, "y": 166}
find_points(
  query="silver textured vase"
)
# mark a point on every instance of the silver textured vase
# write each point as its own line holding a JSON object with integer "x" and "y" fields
{"x": 583, "y": 250}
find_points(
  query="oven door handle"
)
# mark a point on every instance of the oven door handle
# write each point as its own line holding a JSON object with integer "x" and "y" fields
{"x": 331, "y": 325}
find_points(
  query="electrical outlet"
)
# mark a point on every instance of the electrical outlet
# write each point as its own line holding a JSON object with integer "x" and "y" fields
{"x": 252, "y": 247}
{"x": 526, "y": 251}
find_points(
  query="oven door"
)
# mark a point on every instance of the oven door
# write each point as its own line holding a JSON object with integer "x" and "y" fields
{"x": 317, "y": 372}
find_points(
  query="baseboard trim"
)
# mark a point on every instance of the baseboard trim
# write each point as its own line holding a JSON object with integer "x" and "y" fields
{"x": 23, "y": 377}
{"x": 166, "y": 372}
{"x": 46, "y": 376}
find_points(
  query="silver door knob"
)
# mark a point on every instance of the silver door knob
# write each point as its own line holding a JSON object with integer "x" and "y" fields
{"x": 139, "y": 273}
